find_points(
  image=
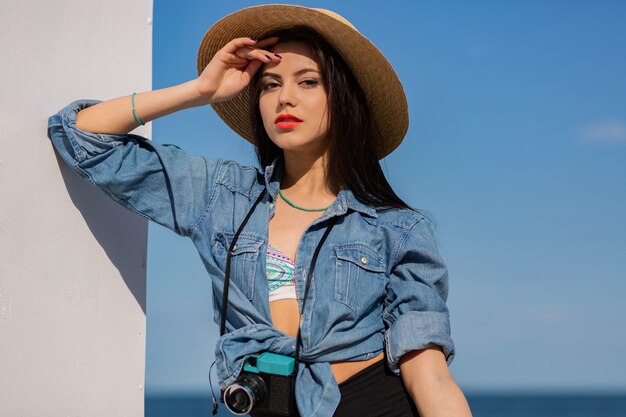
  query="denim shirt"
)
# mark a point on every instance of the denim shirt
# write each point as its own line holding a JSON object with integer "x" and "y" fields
{"x": 379, "y": 281}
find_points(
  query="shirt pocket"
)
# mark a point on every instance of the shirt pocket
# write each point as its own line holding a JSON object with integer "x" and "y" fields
{"x": 244, "y": 261}
{"x": 359, "y": 277}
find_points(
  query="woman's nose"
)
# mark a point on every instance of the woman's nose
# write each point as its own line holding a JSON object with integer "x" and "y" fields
{"x": 287, "y": 96}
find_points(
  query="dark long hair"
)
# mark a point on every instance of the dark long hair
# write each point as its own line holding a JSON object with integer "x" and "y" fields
{"x": 352, "y": 152}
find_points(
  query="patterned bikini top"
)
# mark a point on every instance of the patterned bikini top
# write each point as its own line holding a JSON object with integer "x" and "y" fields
{"x": 279, "y": 269}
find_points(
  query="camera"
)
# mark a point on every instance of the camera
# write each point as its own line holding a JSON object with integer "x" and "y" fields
{"x": 266, "y": 385}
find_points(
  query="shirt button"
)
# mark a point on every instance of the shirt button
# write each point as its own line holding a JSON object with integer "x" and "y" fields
{"x": 271, "y": 205}
{"x": 235, "y": 247}
{"x": 339, "y": 207}
{"x": 364, "y": 260}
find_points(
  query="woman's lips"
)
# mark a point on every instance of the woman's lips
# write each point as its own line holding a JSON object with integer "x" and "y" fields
{"x": 287, "y": 121}
{"x": 287, "y": 124}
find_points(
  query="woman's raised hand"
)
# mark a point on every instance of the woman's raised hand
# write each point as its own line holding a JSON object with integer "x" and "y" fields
{"x": 233, "y": 66}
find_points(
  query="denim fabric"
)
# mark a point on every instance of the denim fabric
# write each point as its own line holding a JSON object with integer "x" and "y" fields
{"x": 379, "y": 282}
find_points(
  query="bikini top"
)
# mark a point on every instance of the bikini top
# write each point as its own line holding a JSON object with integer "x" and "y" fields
{"x": 279, "y": 270}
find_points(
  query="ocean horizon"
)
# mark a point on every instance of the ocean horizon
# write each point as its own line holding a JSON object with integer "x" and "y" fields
{"x": 483, "y": 404}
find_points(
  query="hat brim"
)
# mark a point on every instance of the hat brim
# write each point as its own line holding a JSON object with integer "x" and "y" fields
{"x": 376, "y": 76}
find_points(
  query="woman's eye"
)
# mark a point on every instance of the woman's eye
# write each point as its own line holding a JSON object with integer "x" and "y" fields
{"x": 269, "y": 85}
{"x": 307, "y": 83}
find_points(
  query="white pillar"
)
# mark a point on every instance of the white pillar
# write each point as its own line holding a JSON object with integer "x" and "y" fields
{"x": 72, "y": 262}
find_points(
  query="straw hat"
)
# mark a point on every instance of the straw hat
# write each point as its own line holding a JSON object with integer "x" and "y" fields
{"x": 375, "y": 75}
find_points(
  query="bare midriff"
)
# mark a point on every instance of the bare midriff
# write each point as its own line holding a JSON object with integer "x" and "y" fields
{"x": 286, "y": 318}
{"x": 285, "y": 230}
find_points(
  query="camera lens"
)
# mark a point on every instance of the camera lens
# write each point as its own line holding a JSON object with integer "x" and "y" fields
{"x": 240, "y": 400}
{"x": 244, "y": 394}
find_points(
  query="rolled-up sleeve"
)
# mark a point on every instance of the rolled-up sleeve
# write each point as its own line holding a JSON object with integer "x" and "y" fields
{"x": 415, "y": 314}
{"x": 160, "y": 182}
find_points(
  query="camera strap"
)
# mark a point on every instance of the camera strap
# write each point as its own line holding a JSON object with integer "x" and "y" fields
{"x": 308, "y": 284}
{"x": 231, "y": 249}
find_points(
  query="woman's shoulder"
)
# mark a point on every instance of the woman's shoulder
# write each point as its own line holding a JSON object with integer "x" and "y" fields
{"x": 402, "y": 217}
{"x": 243, "y": 179}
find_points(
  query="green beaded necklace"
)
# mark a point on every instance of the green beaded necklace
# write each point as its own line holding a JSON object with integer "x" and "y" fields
{"x": 298, "y": 207}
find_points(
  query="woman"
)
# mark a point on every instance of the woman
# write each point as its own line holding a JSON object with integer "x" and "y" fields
{"x": 321, "y": 117}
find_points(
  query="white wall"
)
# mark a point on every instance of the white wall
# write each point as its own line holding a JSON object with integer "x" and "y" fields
{"x": 72, "y": 263}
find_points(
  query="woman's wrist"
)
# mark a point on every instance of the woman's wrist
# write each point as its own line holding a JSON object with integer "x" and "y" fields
{"x": 197, "y": 96}
{"x": 203, "y": 91}
{"x": 159, "y": 103}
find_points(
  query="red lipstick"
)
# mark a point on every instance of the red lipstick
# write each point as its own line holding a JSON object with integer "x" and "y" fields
{"x": 287, "y": 121}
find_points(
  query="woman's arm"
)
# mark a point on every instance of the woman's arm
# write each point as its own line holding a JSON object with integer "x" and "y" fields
{"x": 426, "y": 376}
{"x": 229, "y": 72}
{"x": 160, "y": 182}
{"x": 115, "y": 117}
{"x": 417, "y": 338}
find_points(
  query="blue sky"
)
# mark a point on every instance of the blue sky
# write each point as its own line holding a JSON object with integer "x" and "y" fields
{"x": 516, "y": 146}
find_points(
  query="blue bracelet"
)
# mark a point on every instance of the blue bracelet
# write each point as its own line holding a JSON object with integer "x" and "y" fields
{"x": 134, "y": 113}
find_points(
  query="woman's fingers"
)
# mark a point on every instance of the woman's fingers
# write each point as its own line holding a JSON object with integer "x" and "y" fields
{"x": 264, "y": 43}
{"x": 246, "y": 48}
{"x": 233, "y": 66}
{"x": 237, "y": 43}
{"x": 256, "y": 54}
{"x": 252, "y": 67}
